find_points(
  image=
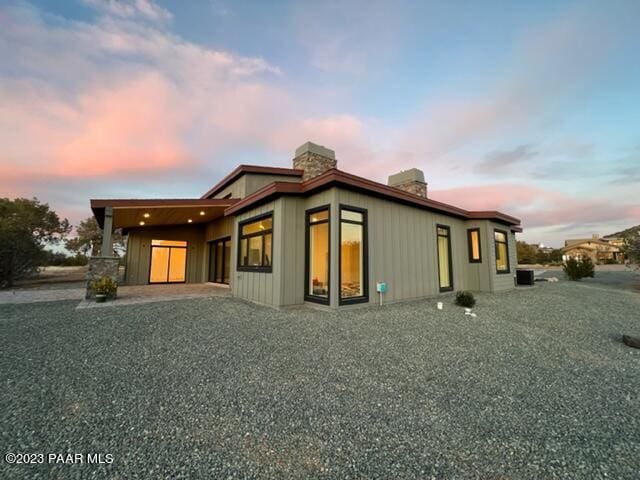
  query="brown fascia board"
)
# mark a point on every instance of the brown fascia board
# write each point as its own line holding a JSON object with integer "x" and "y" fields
{"x": 98, "y": 205}
{"x": 242, "y": 169}
{"x": 335, "y": 177}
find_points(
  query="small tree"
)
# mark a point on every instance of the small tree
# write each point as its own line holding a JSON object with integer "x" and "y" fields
{"x": 526, "y": 253}
{"x": 89, "y": 239}
{"x": 26, "y": 226}
{"x": 577, "y": 269}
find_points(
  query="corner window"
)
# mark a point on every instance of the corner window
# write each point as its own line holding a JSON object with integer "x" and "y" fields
{"x": 317, "y": 260}
{"x": 473, "y": 237}
{"x": 255, "y": 245}
{"x": 502, "y": 251}
{"x": 353, "y": 255}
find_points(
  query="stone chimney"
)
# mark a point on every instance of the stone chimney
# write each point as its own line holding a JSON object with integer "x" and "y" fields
{"x": 411, "y": 181}
{"x": 314, "y": 160}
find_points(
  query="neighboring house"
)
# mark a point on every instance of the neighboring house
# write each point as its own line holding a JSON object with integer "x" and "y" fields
{"x": 600, "y": 250}
{"x": 314, "y": 233}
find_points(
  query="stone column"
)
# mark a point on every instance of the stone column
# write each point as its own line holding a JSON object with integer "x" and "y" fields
{"x": 101, "y": 267}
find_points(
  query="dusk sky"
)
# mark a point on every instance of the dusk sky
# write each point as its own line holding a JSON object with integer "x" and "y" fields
{"x": 530, "y": 108}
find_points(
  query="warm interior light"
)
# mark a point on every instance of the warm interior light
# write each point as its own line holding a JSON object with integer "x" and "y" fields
{"x": 141, "y": 223}
{"x": 146, "y": 215}
{"x": 189, "y": 220}
{"x": 201, "y": 212}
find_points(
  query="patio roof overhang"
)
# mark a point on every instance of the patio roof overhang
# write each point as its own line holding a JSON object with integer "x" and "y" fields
{"x": 128, "y": 213}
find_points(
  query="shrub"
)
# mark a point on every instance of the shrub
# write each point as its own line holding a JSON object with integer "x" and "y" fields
{"x": 465, "y": 299}
{"x": 104, "y": 286}
{"x": 576, "y": 270}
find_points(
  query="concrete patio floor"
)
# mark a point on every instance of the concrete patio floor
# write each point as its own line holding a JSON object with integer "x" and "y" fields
{"x": 127, "y": 294}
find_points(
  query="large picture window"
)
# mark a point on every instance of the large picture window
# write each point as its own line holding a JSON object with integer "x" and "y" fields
{"x": 444, "y": 258}
{"x": 168, "y": 261}
{"x": 255, "y": 245}
{"x": 353, "y": 255}
{"x": 317, "y": 260}
{"x": 473, "y": 236}
{"x": 502, "y": 251}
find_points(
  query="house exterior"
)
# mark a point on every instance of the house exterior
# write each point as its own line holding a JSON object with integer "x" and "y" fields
{"x": 599, "y": 250}
{"x": 313, "y": 234}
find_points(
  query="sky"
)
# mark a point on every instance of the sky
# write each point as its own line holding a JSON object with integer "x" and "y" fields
{"x": 529, "y": 108}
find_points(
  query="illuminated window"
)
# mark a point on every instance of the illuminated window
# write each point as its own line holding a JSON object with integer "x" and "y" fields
{"x": 168, "y": 261}
{"x": 473, "y": 236}
{"x": 502, "y": 251}
{"x": 444, "y": 258}
{"x": 255, "y": 244}
{"x": 317, "y": 261}
{"x": 353, "y": 255}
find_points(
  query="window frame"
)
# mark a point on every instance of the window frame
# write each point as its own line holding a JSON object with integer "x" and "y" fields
{"x": 184, "y": 247}
{"x": 448, "y": 236}
{"x": 495, "y": 245}
{"x": 255, "y": 268}
{"x": 307, "y": 265}
{"x": 470, "y": 245}
{"x": 365, "y": 254}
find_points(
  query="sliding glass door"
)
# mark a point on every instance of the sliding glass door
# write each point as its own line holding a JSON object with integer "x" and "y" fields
{"x": 317, "y": 256}
{"x": 168, "y": 261}
{"x": 220, "y": 260}
{"x": 444, "y": 258}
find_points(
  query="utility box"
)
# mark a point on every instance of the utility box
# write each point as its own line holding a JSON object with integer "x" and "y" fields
{"x": 524, "y": 277}
{"x": 381, "y": 287}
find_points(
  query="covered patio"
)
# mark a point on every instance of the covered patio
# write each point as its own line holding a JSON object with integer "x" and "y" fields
{"x": 167, "y": 238}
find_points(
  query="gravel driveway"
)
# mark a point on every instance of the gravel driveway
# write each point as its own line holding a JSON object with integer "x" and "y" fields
{"x": 537, "y": 386}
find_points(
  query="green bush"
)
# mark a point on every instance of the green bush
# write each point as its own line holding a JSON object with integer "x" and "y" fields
{"x": 465, "y": 299}
{"x": 104, "y": 286}
{"x": 576, "y": 270}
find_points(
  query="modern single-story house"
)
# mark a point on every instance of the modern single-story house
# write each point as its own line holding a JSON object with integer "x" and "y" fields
{"x": 313, "y": 233}
{"x": 599, "y": 250}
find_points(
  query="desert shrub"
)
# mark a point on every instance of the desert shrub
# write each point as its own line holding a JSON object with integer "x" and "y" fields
{"x": 104, "y": 286}
{"x": 576, "y": 269}
{"x": 465, "y": 299}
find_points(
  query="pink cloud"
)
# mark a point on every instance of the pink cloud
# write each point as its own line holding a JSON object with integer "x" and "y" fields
{"x": 536, "y": 206}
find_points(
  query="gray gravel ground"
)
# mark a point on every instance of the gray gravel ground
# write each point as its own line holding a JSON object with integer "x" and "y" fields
{"x": 537, "y": 386}
{"x": 626, "y": 279}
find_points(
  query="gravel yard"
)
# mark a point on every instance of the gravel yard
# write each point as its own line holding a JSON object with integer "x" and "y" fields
{"x": 537, "y": 386}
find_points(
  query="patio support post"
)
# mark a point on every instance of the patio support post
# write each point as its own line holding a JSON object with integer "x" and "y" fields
{"x": 107, "y": 232}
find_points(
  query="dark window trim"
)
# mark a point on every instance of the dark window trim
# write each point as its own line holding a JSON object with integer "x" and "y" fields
{"x": 248, "y": 268}
{"x": 307, "y": 267}
{"x": 506, "y": 243}
{"x": 448, "y": 236}
{"x": 186, "y": 261}
{"x": 224, "y": 239}
{"x": 365, "y": 253}
{"x": 469, "y": 233}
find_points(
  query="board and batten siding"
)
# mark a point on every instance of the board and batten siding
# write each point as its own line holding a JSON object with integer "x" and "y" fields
{"x": 259, "y": 287}
{"x": 403, "y": 247}
{"x": 139, "y": 251}
{"x": 237, "y": 189}
{"x": 294, "y": 243}
{"x": 403, "y": 250}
